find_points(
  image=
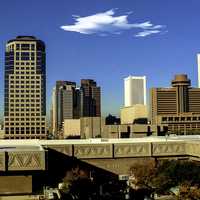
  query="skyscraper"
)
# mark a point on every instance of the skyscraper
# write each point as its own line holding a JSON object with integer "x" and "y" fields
{"x": 134, "y": 90}
{"x": 25, "y": 89}
{"x": 91, "y": 103}
{"x": 71, "y": 102}
{"x": 65, "y": 103}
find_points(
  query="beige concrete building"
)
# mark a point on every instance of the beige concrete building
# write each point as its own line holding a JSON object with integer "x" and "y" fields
{"x": 178, "y": 106}
{"x": 2, "y": 133}
{"x": 25, "y": 89}
{"x": 95, "y": 127}
{"x": 131, "y": 130}
{"x": 129, "y": 114}
{"x": 91, "y": 127}
{"x": 72, "y": 127}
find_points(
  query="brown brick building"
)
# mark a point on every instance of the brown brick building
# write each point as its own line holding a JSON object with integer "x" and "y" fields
{"x": 178, "y": 106}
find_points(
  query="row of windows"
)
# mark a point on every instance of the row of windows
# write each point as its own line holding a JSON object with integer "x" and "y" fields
{"x": 22, "y": 96}
{"x": 25, "y": 56}
{"x": 25, "y": 63}
{"x": 25, "y": 110}
{"x": 25, "y": 53}
{"x": 180, "y": 118}
{"x": 27, "y": 77}
{"x": 24, "y": 128}
{"x": 26, "y": 137}
{"x": 22, "y": 123}
{"x": 24, "y": 100}
{"x": 24, "y": 82}
{"x": 23, "y": 91}
{"x": 26, "y": 119}
{"x": 24, "y": 86}
{"x": 25, "y": 46}
{"x": 28, "y": 114}
{"x": 23, "y": 105}
{"x": 25, "y": 68}
{"x": 25, "y": 72}
{"x": 25, "y": 132}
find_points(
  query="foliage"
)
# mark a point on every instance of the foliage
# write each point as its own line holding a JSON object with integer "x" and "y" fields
{"x": 163, "y": 175}
{"x": 77, "y": 184}
{"x": 189, "y": 192}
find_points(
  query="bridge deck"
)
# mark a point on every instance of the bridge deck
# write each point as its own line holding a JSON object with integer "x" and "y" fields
{"x": 30, "y": 154}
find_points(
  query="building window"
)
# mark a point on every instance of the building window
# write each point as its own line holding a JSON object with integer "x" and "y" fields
{"x": 176, "y": 118}
{"x": 17, "y": 46}
{"x": 32, "y": 47}
{"x": 25, "y": 46}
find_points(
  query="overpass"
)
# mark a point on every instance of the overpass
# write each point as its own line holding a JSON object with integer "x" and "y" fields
{"x": 25, "y": 157}
{"x": 30, "y": 154}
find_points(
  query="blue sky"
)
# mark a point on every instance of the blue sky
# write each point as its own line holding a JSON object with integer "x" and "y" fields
{"x": 102, "y": 40}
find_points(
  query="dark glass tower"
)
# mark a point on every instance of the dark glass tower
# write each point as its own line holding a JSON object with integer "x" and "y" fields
{"x": 25, "y": 89}
{"x": 91, "y": 103}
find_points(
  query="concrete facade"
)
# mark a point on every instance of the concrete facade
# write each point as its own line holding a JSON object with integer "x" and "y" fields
{"x": 134, "y": 90}
{"x": 72, "y": 127}
{"x": 113, "y": 155}
{"x": 91, "y": 127}
{"x": 10, "y": 185}
{"x": 25, "y": 89}
{"x": 129, "y": 114}
{"x": 178, "y": 106}
{"x": 131, "y": 130}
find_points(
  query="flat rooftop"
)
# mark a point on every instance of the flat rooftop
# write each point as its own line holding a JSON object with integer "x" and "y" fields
{"x": 36, "y": 144}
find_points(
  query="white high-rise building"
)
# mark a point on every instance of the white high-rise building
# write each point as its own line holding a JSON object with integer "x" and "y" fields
{"x": 134, "y": 90}
{"x": 198, "y": 62}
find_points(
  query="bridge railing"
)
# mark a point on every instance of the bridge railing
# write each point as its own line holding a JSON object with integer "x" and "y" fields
{"x": 122, "y": 150}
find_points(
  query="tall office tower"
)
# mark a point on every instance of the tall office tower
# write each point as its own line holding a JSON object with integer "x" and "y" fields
{"x": 134, "y": 90}
{"x": 53, "y": 111}
{"x": 198, "y": 62}
{"x": 25, "y": 89}
{"x": 178, "y": 106}
{"x": 91, "y": 98}
{"x": 65, "y": 104}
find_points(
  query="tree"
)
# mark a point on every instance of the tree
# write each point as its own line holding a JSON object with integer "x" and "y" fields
{"x": 166, "y": 175}
{"x": 189, "y": 192}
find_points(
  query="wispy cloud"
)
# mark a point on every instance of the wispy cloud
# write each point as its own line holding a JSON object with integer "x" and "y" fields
{"x": 146, "y": 33}
{"x": 107, "y": 23}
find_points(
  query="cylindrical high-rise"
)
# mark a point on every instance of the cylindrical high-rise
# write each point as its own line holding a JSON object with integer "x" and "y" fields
{"x": 134, "y": 90}
{"x": 25, "y": 89}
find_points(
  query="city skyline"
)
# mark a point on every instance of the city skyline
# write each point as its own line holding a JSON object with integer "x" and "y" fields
{"x": 110, "y": 53}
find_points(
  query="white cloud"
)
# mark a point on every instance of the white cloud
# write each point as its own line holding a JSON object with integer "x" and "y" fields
{"x": 146, "y": 33}
{"x": 107, "y": 23}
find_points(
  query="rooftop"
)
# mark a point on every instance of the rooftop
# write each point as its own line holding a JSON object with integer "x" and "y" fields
{"x": 36, "y": 144}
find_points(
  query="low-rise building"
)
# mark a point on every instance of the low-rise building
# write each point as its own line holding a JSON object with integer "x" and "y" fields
{"x": 129, "y": 114}
{"x": 132, "y": 130}
{"x": 71, "y": 128}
